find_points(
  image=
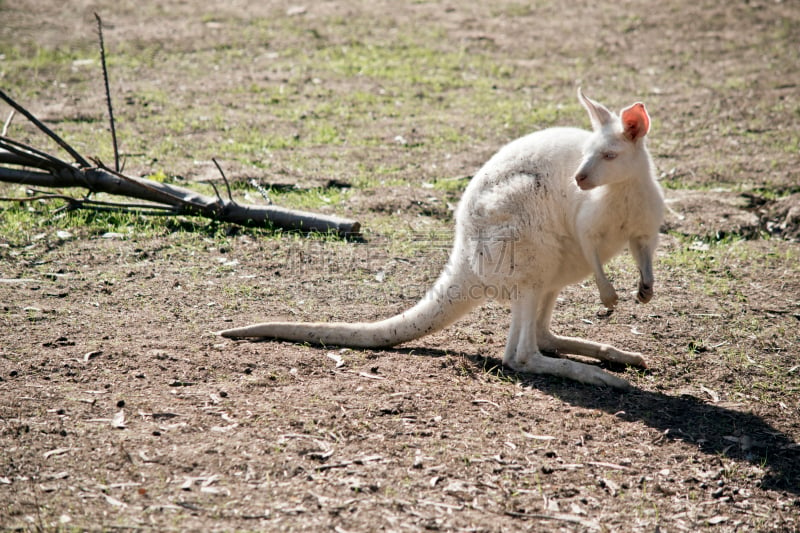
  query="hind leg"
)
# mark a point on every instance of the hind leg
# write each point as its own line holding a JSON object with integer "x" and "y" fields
{"x": 557, "y": 343}
{"x": 522, "y": 350}
{"x": 521, "y": 342}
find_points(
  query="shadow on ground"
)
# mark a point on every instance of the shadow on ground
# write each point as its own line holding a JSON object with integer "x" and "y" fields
{"x": 714, "y": 429}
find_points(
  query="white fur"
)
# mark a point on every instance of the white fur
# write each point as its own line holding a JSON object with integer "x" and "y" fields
{"x": 546, "y": 211}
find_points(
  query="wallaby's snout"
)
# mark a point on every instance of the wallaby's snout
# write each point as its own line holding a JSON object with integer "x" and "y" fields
{"x": 582, "y": 179}
{"x": 585, "y": 175}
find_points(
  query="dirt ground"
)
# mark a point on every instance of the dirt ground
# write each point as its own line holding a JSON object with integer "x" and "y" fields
{"x": 121, "y": 410}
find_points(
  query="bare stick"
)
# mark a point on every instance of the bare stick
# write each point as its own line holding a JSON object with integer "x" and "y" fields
{"x": 47, "y": 131}
{"x": 227, "y": 185}
{"x": 36, "y": 198}
{"x": 34, "y": 157}
{"x": 108, "y": 92}
{"x": 96, "y": 205}
{"x": 8, "y": 123}
{"x": 216, "y": 191}
{"x": 214, "y": 186}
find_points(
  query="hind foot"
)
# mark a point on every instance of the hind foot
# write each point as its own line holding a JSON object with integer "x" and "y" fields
{"x": 565, "y": 368}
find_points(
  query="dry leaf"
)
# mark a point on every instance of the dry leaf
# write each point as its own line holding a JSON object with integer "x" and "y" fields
{"x": 224, "y": 429}
{"x": 577, "y": 509}
{"x": 294, "y": 11}
{"x": 336, "y": 358}
{"x": 91, "y": 355}
{"x": 368, "y": 459}
{"x": 479, "y": 401}
{"x": 536, "y": 437}
{"x": 714, "y": 396}
{"x": 57, "y": 451}
{"x": 119, "y": 420}
{"x": 610, "y": 486}
{"x": 613, "y": 466}
{"x": 210, "y": 479}
{"x": 551, "y": 505}
{"x": 458, "y": 487}
{"x": 115, "y": 502}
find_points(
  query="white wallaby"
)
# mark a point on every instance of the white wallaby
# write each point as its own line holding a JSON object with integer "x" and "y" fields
{"x": 547, "y": 210}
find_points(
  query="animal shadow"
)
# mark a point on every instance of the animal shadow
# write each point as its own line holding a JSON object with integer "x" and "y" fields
{"x": 714, "y": 429}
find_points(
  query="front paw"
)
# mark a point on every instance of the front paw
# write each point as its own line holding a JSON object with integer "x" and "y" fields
{"x": 609, "y": 298}
{"x": 645, "y": 293}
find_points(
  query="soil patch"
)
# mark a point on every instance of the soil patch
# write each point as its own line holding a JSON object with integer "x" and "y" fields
{"x": 120, "y": 409}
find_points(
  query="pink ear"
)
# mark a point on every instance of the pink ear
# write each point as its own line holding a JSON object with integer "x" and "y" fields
{"x": 635, "y": 121}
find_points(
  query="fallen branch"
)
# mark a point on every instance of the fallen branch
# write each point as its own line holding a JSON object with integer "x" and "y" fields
{"x": 36, "y": 168}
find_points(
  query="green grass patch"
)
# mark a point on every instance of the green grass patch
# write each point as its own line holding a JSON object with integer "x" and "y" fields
{"x": 22, "y": 223}
{"x": 311, "y": 199}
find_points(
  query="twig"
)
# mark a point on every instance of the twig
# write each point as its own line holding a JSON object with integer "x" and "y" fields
{"x": 214, "y": 186}
{"x": 216, "y": 191}
{"x": 154, "y": 211}
{"x": 331, "y": 466}
{"x": 96, "y": 205}
{"x": 441, "y": 505}
{"x": 142, "y": 209}
{"x": 224, "y": 179}
{"x": 607, "y": 465}
{"x": 23, "y": 150}
{"x": 47, "y": 131}
{"x": 8, "y": 123}
{"x": 108, "y": 92}
{"x": 38, "y": 195}
{"x": 36, "y": 198}
{"x": 558, "y": 517}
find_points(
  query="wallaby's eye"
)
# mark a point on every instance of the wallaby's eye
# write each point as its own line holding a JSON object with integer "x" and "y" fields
{"x": 608, "y": 156}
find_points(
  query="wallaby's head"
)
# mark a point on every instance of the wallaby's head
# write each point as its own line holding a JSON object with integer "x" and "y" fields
{"x": 616, "y": 150}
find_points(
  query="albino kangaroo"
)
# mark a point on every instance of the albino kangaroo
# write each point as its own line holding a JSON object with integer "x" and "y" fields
{"x": 546, "y": 211}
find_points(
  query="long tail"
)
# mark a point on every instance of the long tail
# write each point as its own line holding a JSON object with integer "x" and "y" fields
{"x": 449, "y": 299}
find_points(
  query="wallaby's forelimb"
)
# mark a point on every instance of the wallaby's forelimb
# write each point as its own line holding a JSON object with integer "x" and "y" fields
{"x": 642, "y": 249}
